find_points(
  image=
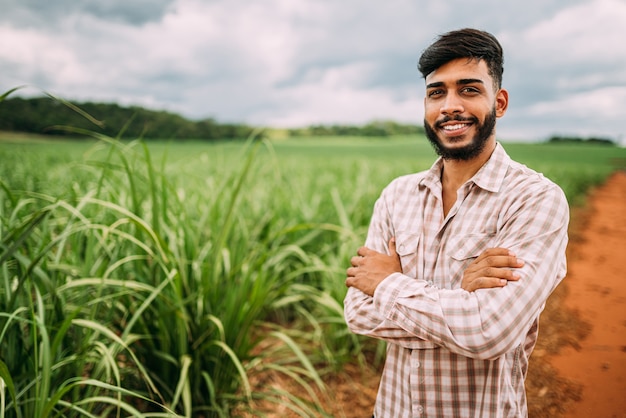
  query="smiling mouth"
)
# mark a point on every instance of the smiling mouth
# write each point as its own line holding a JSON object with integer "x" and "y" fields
{"x": 455, "y": 130}
{"x": 454, "y": 127}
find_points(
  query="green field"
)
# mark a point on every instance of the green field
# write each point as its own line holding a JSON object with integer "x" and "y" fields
{"x": 167, "y": 279}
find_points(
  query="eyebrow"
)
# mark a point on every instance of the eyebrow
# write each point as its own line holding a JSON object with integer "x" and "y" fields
{"x": 461, "y": 82}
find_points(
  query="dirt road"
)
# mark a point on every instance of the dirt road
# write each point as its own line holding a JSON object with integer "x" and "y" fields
{"x": 596, "y": 284}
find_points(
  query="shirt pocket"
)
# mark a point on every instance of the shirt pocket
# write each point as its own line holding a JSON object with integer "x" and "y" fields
{"x": 406, "y": 247}
{"x": 463, "y": 251}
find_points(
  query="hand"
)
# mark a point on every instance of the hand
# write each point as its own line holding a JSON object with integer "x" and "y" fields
{"x": 491, "y": 269}
{"x": 370, "y": 267}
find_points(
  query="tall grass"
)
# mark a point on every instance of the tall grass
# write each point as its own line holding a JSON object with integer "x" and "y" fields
{"x": 157, "y": 294}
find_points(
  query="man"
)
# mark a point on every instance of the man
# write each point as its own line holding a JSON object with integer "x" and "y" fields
{"x": 459, "y": 259}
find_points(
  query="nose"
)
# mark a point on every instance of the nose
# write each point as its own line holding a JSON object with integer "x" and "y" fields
{"x": 451, "y": 104}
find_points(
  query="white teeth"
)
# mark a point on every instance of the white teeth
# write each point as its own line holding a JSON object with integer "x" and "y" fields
{"x": 453, "y": 127}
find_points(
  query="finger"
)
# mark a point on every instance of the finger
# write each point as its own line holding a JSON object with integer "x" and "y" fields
{"x": 491, "y": 252}
{"x": 351, "y": 271}
{"x": 500, "y": 261}
{"x": 392, "y": 246}
{"x": 364, "y": 252}
{"x": 499, "y": 273}
{"x": 350, "y": 281}
{"x": 356, "y": 260}
{"x": 491, "y": 277}
{"x": 484, "y": 283}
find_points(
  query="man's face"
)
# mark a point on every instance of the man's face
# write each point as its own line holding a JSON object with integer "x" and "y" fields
{"x": 461, "y": 108}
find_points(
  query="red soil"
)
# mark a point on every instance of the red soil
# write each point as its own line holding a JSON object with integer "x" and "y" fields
{"x": 596, "y": 285}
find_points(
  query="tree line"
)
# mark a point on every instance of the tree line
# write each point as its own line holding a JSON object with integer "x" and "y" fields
{"x": 577, "y": 140}
{"x": 375, "y": 128}
{"x": 48, "y": 116}
{"x": 55, "y": 117}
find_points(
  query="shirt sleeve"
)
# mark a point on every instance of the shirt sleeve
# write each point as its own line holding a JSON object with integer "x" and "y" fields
{"x": 488, "y": 322}
{"x": 361, "y": 313}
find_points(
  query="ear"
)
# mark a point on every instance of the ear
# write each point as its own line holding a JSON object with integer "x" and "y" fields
{"x": 502, "y": 102}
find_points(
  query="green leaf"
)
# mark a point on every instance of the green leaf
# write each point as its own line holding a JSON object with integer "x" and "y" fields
{"x": 6, "y": 380}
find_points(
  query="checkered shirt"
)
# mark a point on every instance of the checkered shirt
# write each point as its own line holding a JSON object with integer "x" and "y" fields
{"x": 453, "y": 353}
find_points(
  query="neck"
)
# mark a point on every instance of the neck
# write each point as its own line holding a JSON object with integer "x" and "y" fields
{"x": 456, "y": 172}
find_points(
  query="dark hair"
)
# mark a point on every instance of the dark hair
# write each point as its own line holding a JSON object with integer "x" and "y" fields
{"x": 464, "y": 43}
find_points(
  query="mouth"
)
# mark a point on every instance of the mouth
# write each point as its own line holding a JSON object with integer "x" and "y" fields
{"x": 454, "y": 128}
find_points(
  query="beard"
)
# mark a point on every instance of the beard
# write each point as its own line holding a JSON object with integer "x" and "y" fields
{"x": 471, "y": 150}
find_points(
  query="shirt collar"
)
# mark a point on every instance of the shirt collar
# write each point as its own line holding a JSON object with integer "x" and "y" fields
{"x": 489, "y": 177}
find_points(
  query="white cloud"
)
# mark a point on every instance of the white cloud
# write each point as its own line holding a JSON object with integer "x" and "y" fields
{"x": 590, "y": 31}
{"x": 567, "y": 72}
{"x": 335, "y": 96}
{"x": 291, "y": 62}
{"x": 602, "y": 104}
{"x": 39, "y": 57}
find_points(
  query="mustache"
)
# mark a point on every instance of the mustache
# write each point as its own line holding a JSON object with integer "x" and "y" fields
{"x": 456, "y": 118}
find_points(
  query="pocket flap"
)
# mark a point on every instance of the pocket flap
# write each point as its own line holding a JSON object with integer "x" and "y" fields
{"x": 470, "y": 246}
{"x": 406, "y": 242}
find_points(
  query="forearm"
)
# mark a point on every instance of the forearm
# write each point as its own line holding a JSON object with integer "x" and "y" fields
{"x": 426, "y": 303}
{"x": 482, "y": 324}
{"x": 364, "y": 318}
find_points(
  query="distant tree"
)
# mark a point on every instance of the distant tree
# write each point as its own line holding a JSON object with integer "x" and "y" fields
{"x": 47, "y": 116}
{"x": 54, "y": 117}
{"x": 575, "y": 139}
{"x": 373, "y": 129}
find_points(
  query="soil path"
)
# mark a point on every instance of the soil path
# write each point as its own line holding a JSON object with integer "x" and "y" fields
{"x": 596, "y": 284}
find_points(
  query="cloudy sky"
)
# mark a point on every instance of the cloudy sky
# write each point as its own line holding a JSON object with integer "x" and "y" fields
{"x": 287, "y": 63}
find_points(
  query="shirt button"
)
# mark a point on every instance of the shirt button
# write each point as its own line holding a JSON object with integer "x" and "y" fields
{"x": 417, "y": 364}
{"x": 420, "y": 409}
{"x": 401, "y": 247}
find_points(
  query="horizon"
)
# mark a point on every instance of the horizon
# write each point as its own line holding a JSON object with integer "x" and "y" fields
{"x": 278, "y": 129}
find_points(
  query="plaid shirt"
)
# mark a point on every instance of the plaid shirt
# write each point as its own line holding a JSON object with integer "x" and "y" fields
{"x": 453, "y": 353}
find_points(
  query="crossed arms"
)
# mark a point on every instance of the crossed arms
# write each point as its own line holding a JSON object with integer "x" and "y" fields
{"x": 493, "y": 268}
{"x": 499, "y": 298}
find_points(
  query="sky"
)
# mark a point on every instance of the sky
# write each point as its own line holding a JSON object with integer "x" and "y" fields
{"x": 293, "y": 63}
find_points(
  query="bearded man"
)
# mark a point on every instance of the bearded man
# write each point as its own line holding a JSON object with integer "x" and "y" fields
{"x": 460, "y": 259}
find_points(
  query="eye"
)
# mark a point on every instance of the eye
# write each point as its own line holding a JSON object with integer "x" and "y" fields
{"x": 433, "y": 94}
{"x": 470, "y": 91}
